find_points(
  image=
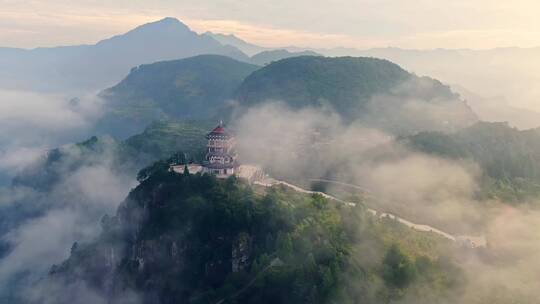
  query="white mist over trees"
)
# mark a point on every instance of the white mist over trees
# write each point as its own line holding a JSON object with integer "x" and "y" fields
{"x": 315, "y": 143}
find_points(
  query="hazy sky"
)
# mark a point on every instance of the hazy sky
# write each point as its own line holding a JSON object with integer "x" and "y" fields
{"x": 320, "y": 23}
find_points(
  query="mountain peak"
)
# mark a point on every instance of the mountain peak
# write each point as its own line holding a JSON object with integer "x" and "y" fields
{"x": 166, "y": 28}
{"x": 165, "y": 23}
{"x": 169, "y": 20}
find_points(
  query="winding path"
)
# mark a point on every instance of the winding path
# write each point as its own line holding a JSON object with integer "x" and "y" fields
{"x": 468, "y": 241}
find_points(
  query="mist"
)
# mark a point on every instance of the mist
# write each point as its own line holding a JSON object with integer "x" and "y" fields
{"x": 69, "y": 213}
{"x": 299, "y": 145}
{"x": 39, "y": 226}
{"x": 499, "y": 84}
{"x": 31, "y": 123}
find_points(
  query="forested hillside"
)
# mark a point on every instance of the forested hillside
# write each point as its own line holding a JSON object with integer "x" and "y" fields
{"x": 375, "y": 92}
{"x": 193, "y": 88}
{"x": 509, "y": 158}
{"x": 196, "y": 239}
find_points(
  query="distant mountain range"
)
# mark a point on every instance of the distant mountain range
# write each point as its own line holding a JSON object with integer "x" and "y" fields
{"x": 489, "y": 75}
{"x": 93, "y": 67}
{"x": 230, "y": 39}
{"x": 498, "y": 109}
{"x": 508, "y": 73}
{"x": 266, "y": 57}
{"x": 260, "y": 55}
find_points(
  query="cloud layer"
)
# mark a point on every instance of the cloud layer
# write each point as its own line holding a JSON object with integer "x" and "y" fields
{"x": 69, "y": 212}
{"x": 31, "y": 122}
{"x": 314, "y": 143}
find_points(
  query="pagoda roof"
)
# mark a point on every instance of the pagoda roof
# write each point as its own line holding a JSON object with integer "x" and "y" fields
{"x": 219, "y": 131}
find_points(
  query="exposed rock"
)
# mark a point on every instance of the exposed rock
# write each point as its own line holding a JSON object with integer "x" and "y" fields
{"x": 241, "y": 252}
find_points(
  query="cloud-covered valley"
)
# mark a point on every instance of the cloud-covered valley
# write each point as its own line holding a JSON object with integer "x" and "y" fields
{"x": 31, "y": 123}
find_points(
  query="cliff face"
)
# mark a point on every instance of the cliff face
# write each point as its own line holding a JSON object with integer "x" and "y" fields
{"x": 166, "y": 241}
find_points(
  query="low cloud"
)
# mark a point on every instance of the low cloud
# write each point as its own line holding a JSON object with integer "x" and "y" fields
{"x": 39, "y": 226}
{"x": 509, "y": 270}
{"x": 314, "y": 143}
{"x": 70, "y": 212}
{"x": 301, "y": 143}
{"x": 426, "y": 189}
{"x": 33, "y": 122}
{"x": 17, "y": 158}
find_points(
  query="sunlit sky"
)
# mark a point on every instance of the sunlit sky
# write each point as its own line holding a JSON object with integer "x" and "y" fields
{"x": 419, "y": 24}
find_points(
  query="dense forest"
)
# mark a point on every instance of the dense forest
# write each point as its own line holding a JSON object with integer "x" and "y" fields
{"x": 195, "y": 239}
{"x": 509, "y": 158}
{"x": 192, "y": 88}
{"x": 374, "y": 92}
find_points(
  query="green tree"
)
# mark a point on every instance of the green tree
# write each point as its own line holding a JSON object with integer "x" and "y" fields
{"x": 284, "y": 246}
{"x": 398, "y": 270}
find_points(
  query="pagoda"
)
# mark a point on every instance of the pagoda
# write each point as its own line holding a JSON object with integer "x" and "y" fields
{"x": 221, "y": 155}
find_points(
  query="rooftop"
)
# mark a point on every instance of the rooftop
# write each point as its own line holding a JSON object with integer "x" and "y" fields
{"x": 219, "y": 131}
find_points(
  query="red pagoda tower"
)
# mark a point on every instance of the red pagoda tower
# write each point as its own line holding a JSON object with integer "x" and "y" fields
{"x": 221, "y": 154}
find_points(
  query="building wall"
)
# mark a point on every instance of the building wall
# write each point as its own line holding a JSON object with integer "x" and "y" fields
{"x": 192, "y": 168}
{"x": 220, "y": 173}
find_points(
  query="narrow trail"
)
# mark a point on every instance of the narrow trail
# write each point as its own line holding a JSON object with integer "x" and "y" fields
{"x": 468, "y": 241}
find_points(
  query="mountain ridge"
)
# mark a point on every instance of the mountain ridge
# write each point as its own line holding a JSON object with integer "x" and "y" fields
{"x": 230, "y": 39}
{"x": 99, "y": 65}
{"x": 374, "y": 91}
{"x": 191, "y": 88}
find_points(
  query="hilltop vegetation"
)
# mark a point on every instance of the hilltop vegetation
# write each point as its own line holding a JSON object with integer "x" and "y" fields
{"x": 509, "y": 158}
{"x": 314, "y": 81}
{"x": 266, "y": 57}
{"x": 196, "y": 239}
{"x": 192, "y": 88}
{"x": 375, "y": 92}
